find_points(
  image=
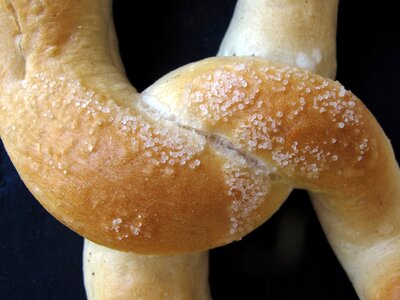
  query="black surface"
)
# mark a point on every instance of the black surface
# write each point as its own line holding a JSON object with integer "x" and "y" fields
{"x": 288, "y": 257}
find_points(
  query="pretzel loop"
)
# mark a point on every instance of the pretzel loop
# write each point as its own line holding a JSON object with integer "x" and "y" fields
{"x": 199, "y": 159}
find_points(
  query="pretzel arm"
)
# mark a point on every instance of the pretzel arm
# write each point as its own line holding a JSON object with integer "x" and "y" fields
{"x": 232, "y": 136}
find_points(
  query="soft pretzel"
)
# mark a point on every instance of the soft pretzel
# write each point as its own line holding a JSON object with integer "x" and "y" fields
{"x": 234, "y": 135}
{"x": 112, "y": 274}
{"x": 300, "y": 33}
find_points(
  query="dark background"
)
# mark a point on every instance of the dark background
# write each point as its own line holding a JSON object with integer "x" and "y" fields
{"x": 286, "y": 258}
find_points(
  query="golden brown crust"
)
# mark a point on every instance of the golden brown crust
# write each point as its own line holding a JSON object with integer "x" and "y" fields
{"x": 112, "y": 168}
{"x": 104, "y": 164}
{"x": 390, "y": 288}
{"x": 104, "y": 168}
{"x": 204, "y": 156}
{"x": 318, "y": 135}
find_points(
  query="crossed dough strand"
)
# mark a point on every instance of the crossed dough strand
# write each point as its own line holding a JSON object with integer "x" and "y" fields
{"x": 111, "y": 273}
{"x": 233, "y": 135}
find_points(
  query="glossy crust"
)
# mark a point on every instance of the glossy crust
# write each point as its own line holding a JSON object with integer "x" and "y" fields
{"x": 75, "y": 131}
{"x": 204, "y": 156}
{"x": 108, "y": 166}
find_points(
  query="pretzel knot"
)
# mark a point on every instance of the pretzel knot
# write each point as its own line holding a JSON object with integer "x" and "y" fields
{"x": 200, "y": 158}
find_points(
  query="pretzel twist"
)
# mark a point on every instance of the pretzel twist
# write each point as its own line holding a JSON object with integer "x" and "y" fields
{"x": 233, "y": 135}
